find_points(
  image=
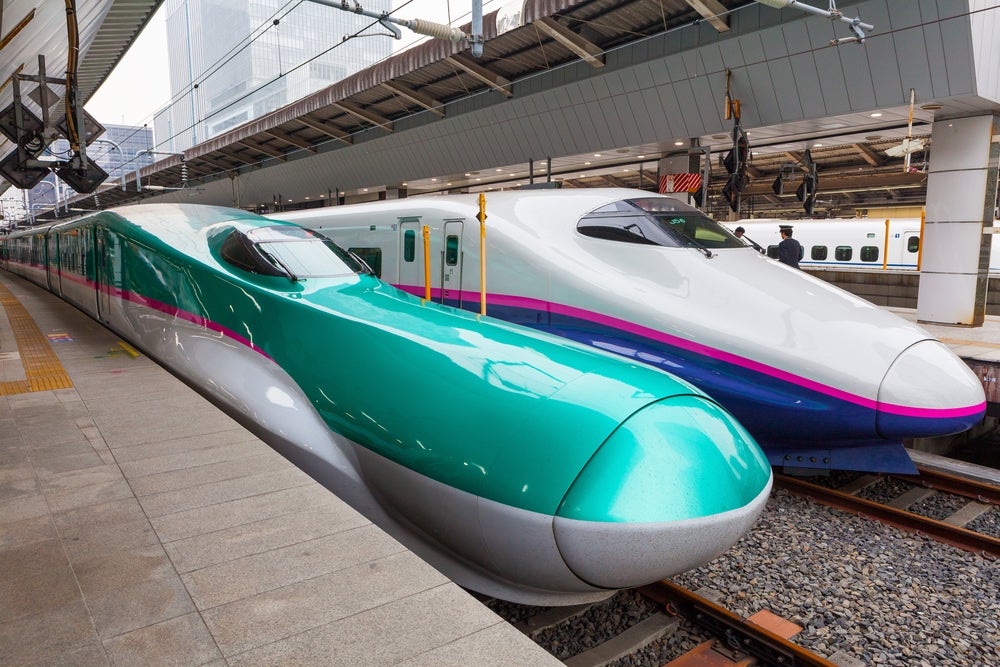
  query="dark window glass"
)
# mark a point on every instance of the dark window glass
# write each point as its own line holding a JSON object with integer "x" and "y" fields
{"x": 370, "y": 256}
{"x": 869, "y": 253}
{"x": 626, "y": 229}
{"x": 843, "y": 253}
{"x": 285, "y": 250}
{"x": 818, "y": 252}
{"x": 663, "y": 221}
{"x": 913, "y": 244}
{"x": 409, "y": 245}
{"x": 451, "y": 250}
{"x": 772, "y": 251}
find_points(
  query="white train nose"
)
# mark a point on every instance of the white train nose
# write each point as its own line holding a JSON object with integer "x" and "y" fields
{"x": 928, "y": 391}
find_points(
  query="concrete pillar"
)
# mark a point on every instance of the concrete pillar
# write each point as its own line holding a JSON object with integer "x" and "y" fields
{"x": 961, "y": 198}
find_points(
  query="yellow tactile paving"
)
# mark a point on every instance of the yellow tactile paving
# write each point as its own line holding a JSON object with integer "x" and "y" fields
{"x": 42, "y": 369}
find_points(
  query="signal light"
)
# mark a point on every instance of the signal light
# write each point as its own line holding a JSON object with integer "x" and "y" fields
{"x": 806, "y": 192}
{"x": 732, "y": 189}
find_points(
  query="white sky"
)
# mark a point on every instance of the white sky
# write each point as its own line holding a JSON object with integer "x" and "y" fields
{"x": 140, "y": 85}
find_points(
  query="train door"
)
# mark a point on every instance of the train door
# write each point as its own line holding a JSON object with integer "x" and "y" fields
{"x": 52, "y": 264}
{"x": 451, "y": 264}
{"x": 411, "y": 256}
{"x": 102, "y": 273}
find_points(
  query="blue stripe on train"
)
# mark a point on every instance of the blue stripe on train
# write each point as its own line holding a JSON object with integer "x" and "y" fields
{"x": 760, "y": 402}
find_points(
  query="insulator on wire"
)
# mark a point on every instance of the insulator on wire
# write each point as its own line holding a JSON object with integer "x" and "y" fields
{"x": 438, "y": 30}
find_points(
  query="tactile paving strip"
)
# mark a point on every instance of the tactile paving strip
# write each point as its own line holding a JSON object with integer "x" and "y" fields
{"x": 42, "y": 369}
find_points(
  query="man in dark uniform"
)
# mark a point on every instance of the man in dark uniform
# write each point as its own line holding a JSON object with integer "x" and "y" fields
{"x": 789, "y": 250}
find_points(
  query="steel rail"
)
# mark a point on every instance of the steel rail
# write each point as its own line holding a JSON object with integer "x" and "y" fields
{"x": 961, "y": 486}
{"x": 914, "y": 523}
{"x": 733, "y": 631}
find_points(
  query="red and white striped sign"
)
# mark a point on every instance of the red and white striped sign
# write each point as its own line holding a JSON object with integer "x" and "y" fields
{"x": 679, "y": 182}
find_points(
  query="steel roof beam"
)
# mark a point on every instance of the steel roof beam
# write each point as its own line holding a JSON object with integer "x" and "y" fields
{"x": 587, "y": 50}
{"x": 426, "y": 101}
{"x": 262, "y": 149}
{"x": 494, "y": 81}
{"x": 326, "y": 129}
{"x": 291, "y": 140}
{"x": 869, "y": 155}
{"x": 364, "y": 114}
{"x": 712, "y": 11}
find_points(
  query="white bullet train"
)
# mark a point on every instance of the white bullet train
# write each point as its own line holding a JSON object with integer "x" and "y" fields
{"x": 821, "y": 378}
{"x": 852, "y": 243}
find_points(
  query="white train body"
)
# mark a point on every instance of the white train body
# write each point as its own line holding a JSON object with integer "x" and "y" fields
{"x": 820, "y": 377}
{"x": 852, "y": 243}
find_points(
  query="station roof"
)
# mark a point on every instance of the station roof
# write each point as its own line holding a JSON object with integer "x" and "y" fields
{"x": 438, "y": 80}
{"x": 107, "y": 28}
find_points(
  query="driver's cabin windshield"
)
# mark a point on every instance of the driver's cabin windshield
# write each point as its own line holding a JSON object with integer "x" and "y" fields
{"x": 662, "y": 221}
{"x": 289, "y": 251}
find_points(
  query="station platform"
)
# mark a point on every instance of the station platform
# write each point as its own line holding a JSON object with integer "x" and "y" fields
{"x": 978, "y": 346}
{"x": 140, "y": 525}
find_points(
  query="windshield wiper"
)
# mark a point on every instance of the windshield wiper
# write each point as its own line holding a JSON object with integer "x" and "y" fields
{"x": 756, "y": 246}
{"x": 698, "y": 246}
{"x": 274, "y": 260}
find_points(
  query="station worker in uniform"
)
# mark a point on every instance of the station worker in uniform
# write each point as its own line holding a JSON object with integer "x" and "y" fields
{"x": 789, "y": 250}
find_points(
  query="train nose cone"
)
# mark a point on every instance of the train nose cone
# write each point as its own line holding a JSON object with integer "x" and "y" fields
{"x": 674, "y": 486}
{"x": 928, "y": 391}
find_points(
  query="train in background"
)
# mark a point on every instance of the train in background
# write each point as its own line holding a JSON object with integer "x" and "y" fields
{"x": 821, "y": 378}
{"x": 852, "y": 243}
{"x": 519, "y": 464}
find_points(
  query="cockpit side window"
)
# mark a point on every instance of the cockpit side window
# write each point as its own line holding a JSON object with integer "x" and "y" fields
{"x": 662, "y": 221}
{"x": 294, "y": 252}
{"x": 624, "y": 228}
{"x": 239, "y": 251}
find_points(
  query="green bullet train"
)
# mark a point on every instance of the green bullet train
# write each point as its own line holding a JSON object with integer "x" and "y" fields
{"x": 519, "y": 464}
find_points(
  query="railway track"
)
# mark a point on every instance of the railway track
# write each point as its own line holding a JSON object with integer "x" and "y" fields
{"x": 663, "y": 624}
{"x": 952, "y": 505}
{"x": 695, "y": 631}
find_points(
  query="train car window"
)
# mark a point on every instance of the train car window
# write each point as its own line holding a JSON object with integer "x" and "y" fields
{"x": 869, "y": 253}
{"x": 913, "y": 244}
{"x": 409, "y": 245}
{"x": 451, "y": 250}
{"x": 843, "y": 253}
{"x": 772, "y": 251}
{"x": 818, "y": 252}
{"x": 370, "y": 256}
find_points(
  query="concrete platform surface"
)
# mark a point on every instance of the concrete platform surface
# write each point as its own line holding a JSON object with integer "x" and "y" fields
{"x": 139, "y": 525}
{"x": 979, "y": 343}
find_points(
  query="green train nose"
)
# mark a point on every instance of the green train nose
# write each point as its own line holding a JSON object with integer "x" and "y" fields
{"x": 680, "y": 481}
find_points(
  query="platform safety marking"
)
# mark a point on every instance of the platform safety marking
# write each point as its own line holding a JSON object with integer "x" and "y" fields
{"x": 42, "y": 368}
{"x": 129, "y": 349}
